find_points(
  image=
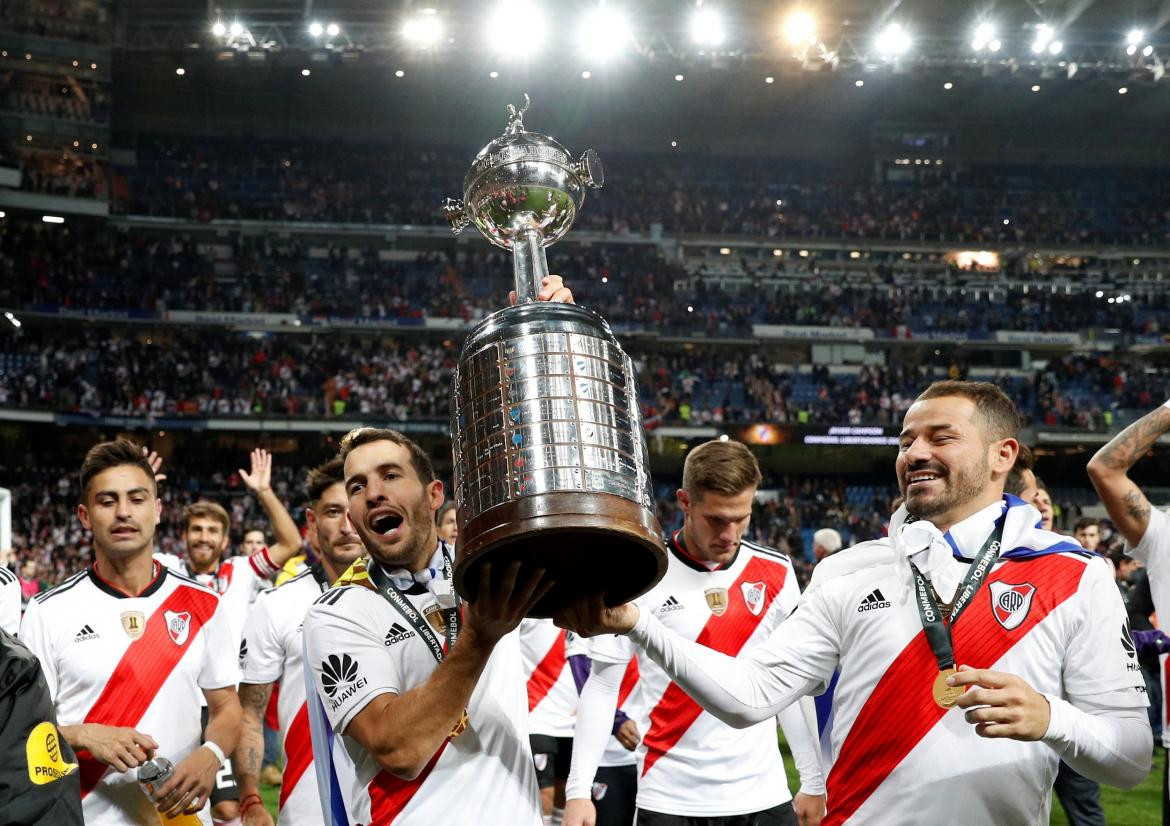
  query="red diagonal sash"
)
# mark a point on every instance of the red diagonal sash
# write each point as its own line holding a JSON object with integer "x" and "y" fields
{"x": 901, "y": 709}
{"x": 298, "y": 753}
{"x": 145, "y": 666}
{"x": 547, "y": 672}
{"x": 629, "y": 680}
{"x": 676, "y": 712}
{"x": 389, "y": 794}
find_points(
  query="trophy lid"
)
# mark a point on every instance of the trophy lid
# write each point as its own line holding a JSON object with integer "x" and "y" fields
{"x": 517, "y": 143}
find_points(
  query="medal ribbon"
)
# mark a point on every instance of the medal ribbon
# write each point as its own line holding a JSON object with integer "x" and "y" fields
{"x": 938, "y": 629}
{"x": 402, "y": 605}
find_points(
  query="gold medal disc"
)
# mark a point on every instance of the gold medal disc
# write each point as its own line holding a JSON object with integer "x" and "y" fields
{"x": 946, "y": 695}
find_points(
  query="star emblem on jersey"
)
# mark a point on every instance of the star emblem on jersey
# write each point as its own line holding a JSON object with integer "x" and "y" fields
{"x": 337, "y": 670}
{"x": 133, "y": 623}
{"x": 716, "y": 600}
{"x": 1010, "y": 603}
{"x": 86, "y": 633}
{"x": 873, "y": 601}
{"x": 178, "y": 626}
{"x": 753, "y": 596}
{"x": 397, "y": 634}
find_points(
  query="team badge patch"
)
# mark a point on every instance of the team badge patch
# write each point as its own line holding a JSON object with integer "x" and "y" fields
{"x": 716, "y": 600}
{"x": 1011, "y": 603}
{"x": 599, "y": 790}
{"x": 133, "y": 623}
{"x": 178, "y": 626}
{"x": 753, "y": 595}
{"x": 540, "y": 761}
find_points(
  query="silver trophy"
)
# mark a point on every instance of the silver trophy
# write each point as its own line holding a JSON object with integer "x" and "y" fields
{"x": 551, "y": 465}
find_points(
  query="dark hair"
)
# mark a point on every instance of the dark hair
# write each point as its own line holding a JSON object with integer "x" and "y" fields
{"x": 728, "y": 468}
{"x": 1119, "y": 556}
{"x": 1087, "y": 522}
{"x": 1025, "y": 460}
{"x": 441, "y": 512}
{"x": 999, "y": 414}
{"x": 106, "y": 455}
{"x": 323, "y": 477}
{"x": 203, "y": 509}
{"x": 365, "y": 435}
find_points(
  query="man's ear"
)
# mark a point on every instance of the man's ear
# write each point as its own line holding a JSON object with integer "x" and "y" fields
{"x": 435, "y": 491}
{"x": 1003, "y": 455}
{"x": 83, "y": 517}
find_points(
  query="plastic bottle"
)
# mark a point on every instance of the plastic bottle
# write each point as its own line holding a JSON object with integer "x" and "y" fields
{"x": 151, "y": 776}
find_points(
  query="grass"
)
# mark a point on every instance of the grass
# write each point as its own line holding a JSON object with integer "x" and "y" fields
{"x": 270, "y": 795}
{"x": 1141, "y": 806}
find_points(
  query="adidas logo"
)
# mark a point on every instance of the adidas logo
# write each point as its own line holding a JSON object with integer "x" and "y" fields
{"x": 671, "y": 604}
{"x": 397, "y": 634}
{"x": 86, "y": 633}
{"x": 873, "y": 601}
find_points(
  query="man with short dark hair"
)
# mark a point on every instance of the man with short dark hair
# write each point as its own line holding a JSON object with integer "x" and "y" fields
{"x": 727, "y": 593}
{"x": 1087, "y": 532}
{"x": 272, "y": 652}
{"x": 129, "y": 649}
{"x": 981, "y": 611}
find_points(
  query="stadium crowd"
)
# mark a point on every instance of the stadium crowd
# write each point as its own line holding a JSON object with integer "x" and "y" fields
{"x": 219, "y": 178}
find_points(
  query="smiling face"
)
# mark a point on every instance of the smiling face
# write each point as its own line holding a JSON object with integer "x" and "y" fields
{"x": 947, "y": 467}
{"x": 206, "y": 540}
{"x": 392, "y": 509}
{"x": 121, "y": 510}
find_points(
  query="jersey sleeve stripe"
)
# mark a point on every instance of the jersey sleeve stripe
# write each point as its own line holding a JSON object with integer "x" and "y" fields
{"x": 901, "y": 710}
{"x": 263, "y": 565}
{"x": 6, "y": 575}
{"x": 42, "y": 597}
{"x": 547, "y": 672}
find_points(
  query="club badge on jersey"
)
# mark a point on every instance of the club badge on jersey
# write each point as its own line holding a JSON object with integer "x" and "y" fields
{"x": 1010, "y": 603}
{"x": 716, "y": 600}
{"x": 133, "y": 623}
{"x": 178, "y": 626}
{"x": 753, "y": 595}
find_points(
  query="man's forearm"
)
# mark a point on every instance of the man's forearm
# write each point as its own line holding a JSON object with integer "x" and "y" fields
{"x": 1108, "y": 470}
{"x": 1112, "y": 746}
{"x": 223, "y": 726}
{"x": 74, "y": 736}
{"x": 288, "y": 538}
{"x": 248, "y": 757}
{"x": 1123, "y": 450}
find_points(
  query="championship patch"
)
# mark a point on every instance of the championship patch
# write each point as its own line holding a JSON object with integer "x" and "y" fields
{"x": 716, "y": 600}
{"x": 178, "y": 626}
{"x": 434, "y": 615}
{"x": 43, "y": 751}
{"x": 1010, "y": 603}
{"x": 753, "y": 595}
{"x": 599, "y": 790}
{"x": 133, "y": 623}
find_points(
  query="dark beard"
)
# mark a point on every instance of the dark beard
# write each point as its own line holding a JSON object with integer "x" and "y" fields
{"x": 418, "y": 547}
{"x": 960, "y": 490}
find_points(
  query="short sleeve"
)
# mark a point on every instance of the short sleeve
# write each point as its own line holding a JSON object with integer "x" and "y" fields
{"x": 1101, "y": 666}
{"x": 348, "y": 661}
{"x": 216, "y": 670}
{"x": 171, "y": 562}
{"x": 1154, "y": 552}
{"x": 35, "y": 635}
{"x": 261, "y": 651}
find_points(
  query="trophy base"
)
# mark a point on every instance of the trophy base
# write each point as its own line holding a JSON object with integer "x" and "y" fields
{"x": 589, "y": 542}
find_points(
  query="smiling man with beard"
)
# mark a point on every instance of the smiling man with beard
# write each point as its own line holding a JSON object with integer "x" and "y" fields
{"x": 429, "y": 699}
{"x": 974, "y": 649}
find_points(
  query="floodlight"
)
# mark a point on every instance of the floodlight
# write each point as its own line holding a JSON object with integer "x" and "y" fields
{"x": 995, "y": 45}
{"x": 511, "y": 18}
{"x": 707, "y": 27}
{"x": 236, "y": 29}
{"x": 333, "y": 30}
{"x": 1147, "y": 51}
{"x": 605, "y": 32}
{"x": 800, "y": 28}
{"x": 1135, "y": 37}
{"x": 1044, "y": 37}
{"x": 984, "y": 34}
{"x": 218, "y": 28}
{"x": 424, "y": 29}
{"x": 893, "y": 41}
{"x": 1131, "y": 49}
{"x": 1055, "y": 47}
{"x": 316, "y": 29}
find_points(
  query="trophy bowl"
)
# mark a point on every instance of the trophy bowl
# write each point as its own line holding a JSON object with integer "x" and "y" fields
{"x": 551, "y": 465}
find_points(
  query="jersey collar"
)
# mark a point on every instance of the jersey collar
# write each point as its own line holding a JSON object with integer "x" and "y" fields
{"x": 676, "y": 544}
{"x": 107, "y": 587}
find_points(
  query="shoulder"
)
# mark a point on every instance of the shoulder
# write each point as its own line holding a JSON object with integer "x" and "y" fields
{"x": 863, "y": 558}
{"x": 184, "y": 581}
{"x": 343, "y": 599}
{"x": 69, "y": 585}
{"x": 765, "y": 552}
{"x": 287, "y": 586}
{"x": 7, "y": 577}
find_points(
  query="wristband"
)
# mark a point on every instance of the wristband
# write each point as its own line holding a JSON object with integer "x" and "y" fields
{"x": 216, "y": 750}
{"x": 248, "y": 802}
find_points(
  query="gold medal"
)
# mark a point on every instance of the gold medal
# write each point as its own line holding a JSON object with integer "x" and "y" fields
{"x": 946, "y": 695}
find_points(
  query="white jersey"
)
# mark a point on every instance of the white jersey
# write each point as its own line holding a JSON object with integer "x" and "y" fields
{"x": 272, "y": 652}
{"x": 9, "y": 601}
{"x": 692, "y": 763}
{"x": 628, "y": 703}
{"x": 1055, "y": 620}
{"x": 552, "y": 692}
{"x": 359, "y": 647}
{"x": 141, "y": 662}
{"x": 1154, "y": 552}
{"x": 238, "y": 580}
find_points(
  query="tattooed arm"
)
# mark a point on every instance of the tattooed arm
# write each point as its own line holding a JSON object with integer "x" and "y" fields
{"x": 248, "y": 757}
{"x": 1109, "y": 468}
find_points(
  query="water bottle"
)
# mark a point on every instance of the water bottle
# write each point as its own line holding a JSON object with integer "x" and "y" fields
{"x": 152, "y": 775}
